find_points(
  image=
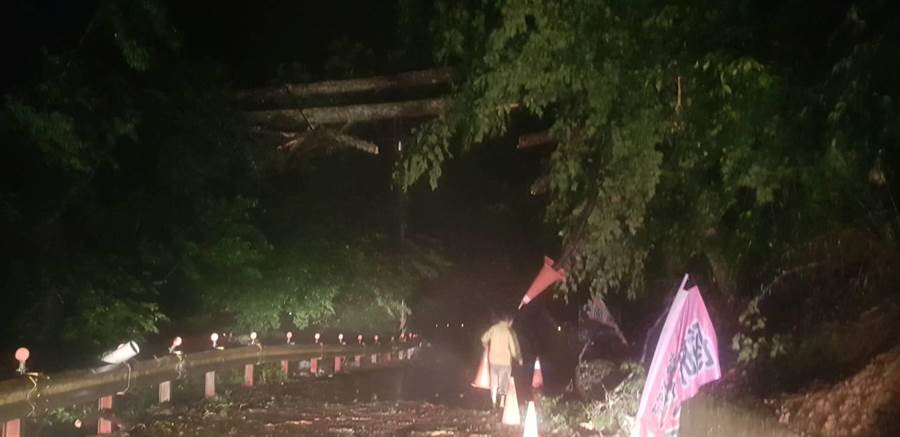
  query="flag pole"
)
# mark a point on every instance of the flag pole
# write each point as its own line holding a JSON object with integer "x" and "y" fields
{"x": 683, "y": 282}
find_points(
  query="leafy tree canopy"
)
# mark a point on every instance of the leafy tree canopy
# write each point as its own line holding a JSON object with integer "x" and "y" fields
{"x": 686, "y": 130}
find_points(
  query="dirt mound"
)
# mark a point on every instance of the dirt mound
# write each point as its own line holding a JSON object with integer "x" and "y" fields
{"x": 866, "y": 404}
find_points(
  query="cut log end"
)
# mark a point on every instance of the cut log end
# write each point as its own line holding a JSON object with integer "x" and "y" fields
{"x": 534, "y": 139}
{"x": 540, "y": 186}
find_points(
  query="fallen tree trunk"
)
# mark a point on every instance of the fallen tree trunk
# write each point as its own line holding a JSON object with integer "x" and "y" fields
{"x": 535, "y": 139}
{"x": 303, "y": 119}
{"x": 351, "y": 141}
{"x": 412, "y": 79}
{"x": 303, "y": 142}
{"x": 540, "y": 186}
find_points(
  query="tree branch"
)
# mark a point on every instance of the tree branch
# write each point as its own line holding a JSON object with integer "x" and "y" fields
{"x": 314, "y": 138}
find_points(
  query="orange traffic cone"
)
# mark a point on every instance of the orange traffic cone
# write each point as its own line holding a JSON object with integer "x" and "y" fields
{"x": 483, "y": 377}
{"x": 537, "y": 378}
{"x": 530, "y": 421}
{"x": 545, "y": 278}
{"x": 511, "y": 413}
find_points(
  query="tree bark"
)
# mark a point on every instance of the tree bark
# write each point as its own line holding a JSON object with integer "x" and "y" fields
{"x": 352, "y": 141}
{"x": 534, "y": 139}
{"x": 306, "y": 141}
{"x": 411, "y": 79}
{"x": 302, "y": 119}
{"x": 540, "y": 186}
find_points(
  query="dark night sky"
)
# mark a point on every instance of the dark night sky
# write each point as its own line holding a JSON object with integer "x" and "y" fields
{"x": 250, "y": 40}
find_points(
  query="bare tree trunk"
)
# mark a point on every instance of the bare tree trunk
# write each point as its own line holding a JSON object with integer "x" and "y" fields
{"x": 287, "y": 92}
{"x": 303, "y": 119}
{"x": 534, "y": 139}
{"x": 722, "y": 273}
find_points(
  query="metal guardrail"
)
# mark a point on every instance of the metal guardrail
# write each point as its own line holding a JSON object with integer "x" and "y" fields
{"x": 35, "y": 395}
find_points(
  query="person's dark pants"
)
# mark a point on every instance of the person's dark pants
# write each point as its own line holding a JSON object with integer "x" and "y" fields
{"x": 500, "y": 374}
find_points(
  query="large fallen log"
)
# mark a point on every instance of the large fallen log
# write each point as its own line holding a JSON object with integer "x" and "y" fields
{"x": 406, "y": 80}
{"x": 303, "y": 119}
{"x": 534, "y": 139}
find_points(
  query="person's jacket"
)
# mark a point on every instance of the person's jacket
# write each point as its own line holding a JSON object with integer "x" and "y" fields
{"x": 501, "y": 342}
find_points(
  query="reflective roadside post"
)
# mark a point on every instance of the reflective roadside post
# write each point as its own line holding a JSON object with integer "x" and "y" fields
{"x": 314, "y": 362}
{"x": 13, "y": 427}
{"x": 338, "y": 361}
{"x": 104, "y": 426}
{"x": 248, "y": 375}
{"x": 165, "y": 387}
{"x": 375, "y": 355}
{"x": 22, "y": 355}
{"x": 248, "y": 368}
{"x": 209, "y": 382}
{"x": 285, "y": 365}
{"x": 176, "y": 343}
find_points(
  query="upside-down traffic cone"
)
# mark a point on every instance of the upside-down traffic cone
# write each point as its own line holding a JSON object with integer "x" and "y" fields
{"x": 530, "y": 421}
{"x": 537, "y": 378}
{"x": 545, "y": 278}
{"x": 511, "y": 413}
{"x": 483, "y": 377}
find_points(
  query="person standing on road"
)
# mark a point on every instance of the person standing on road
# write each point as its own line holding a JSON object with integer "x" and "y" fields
{"x": 503, "y": 347}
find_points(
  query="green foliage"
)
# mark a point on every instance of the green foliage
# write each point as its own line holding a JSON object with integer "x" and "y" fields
{"x": 562, "y": 417}
{"x": 753, "y": 342}
{"x": 612, "y": 415}
{"x": 678, "y": 136}
{"x": 616, "y": 413}
{"x": 65, "y": 416}
{"x": 140, "y": 30}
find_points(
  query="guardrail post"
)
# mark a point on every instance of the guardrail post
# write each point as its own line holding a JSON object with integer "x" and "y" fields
{"x": 337, "y": 364}
{"x": 165, "y": 391}
{"x": 285, "y": 368}
{"x": 209, "y": 388}
{"x": 104, "y": 426}
{"x": 12, "y": 428}
{"x": 248, "y": 375}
